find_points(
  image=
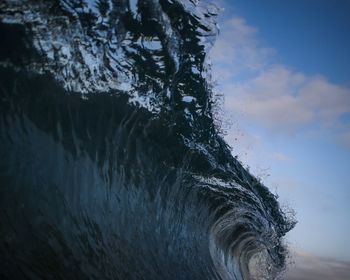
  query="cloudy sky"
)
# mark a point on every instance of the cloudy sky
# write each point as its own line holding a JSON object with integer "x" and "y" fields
{"x": 284, "y": 68}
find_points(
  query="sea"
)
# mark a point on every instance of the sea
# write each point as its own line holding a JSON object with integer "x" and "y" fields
{"x": 112, "y": 162}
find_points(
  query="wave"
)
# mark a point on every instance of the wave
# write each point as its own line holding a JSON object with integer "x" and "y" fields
{"x": 112, "y": 165}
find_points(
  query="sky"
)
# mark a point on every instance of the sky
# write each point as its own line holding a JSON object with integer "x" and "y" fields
{"x": 284, "y": 70}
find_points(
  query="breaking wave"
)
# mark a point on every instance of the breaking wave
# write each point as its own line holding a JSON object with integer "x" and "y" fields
{"x": 111, "y": 165}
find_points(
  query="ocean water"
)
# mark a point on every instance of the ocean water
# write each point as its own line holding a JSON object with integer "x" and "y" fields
{"x": 112, "y": 165}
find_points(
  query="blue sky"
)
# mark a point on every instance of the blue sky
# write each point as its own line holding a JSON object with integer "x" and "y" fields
{"x": 310, "y": 35}
{"x": 284, "y": 67}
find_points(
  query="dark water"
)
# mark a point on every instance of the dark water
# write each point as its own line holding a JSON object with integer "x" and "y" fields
{"x": 111, "y": 163}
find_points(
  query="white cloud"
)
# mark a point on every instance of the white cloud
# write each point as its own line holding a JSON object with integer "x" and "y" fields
{"x": 273, "y": 96}
{"x": 284, "y": 101}
{"x": 237, "y": 50}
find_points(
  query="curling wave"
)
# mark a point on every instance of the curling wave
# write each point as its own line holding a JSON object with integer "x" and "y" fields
{"x": 112, "y": 166}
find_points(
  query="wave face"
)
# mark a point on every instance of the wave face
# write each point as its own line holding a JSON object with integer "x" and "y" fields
{"x": 111, "y": 165}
